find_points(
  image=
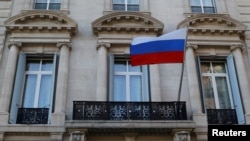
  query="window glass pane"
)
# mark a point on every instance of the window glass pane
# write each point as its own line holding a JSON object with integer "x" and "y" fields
{"x": 208, "y": 92}
{"x": 33, "y": 65}
{"x": 54, "y": 6}
{"x": 209, "y": 10}
{"x": 44, "y": 95}
{"x": 118, "y": 1}
{"x": 133, "y": 2}
{"x": 41, "y": 1}
{"x": 223, "y": 94}
{"x": 133, "y": 8}
{"x": 196, "y": 9}
{"x": 195, "y": 3}
{"x": 119, "y": 7}
{"x": 205, "y": 67}
{"x": 120, "y": 66}
{"x": 55, "y": 1}
{"x": 135, "y": 88}
{"x": 40, "y": 6}
{"x": 47, "y": 65}
{"x": 134, "y": 68}
{"x": 119, "y": 88}
{"x": 207, "y": 2}
{"x": 29, "y": 91}
{"x": 219, "y": 68}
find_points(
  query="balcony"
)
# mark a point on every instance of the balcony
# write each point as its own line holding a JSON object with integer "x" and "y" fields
{"x": 32, "y": 115}
{"x": 222, "y": 116}
{"x": 95, "y": 110}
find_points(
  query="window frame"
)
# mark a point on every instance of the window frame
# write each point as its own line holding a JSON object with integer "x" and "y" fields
{"x": 233, "y": 84}
{"x": 126, "y": 5}
{"x": 18, "y": 90}
{"x": 48, "y": 3}
{"x": 145, "y": 93}
{"x": 39, "y": 73}
{"x": 213, "y": 77}
{"x": 202, "y": 7}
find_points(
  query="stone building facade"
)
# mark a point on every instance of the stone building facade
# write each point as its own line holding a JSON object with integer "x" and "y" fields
{"x": 65, "y": 72}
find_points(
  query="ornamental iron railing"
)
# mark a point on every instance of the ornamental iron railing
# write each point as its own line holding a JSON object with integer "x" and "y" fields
{"x": 32, "y": 115}
{"x": 95, "y": 110}
{"x": 222, "y": 116}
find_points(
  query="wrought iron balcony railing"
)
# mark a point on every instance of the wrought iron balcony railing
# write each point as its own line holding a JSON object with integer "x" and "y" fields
{"x": 94, "y": 110}
{"x": 222, "y": 116}
{"x": 32, "y": 115}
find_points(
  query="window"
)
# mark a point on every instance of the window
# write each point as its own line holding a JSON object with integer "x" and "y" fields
{"x": 216, "y": 85}
{"x": 220, "y": 85}
{"x": 126, "y": 5}
{"x": 128, "y": 83}
{"x": 38, "y": 83}
{"x": 34, "y": 85}
{"x": 47, "y": 4}
{"x": 202, "y": 6}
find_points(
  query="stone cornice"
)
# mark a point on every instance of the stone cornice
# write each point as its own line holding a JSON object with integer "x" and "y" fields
{"x": 213, "y": 24}
{"x": 29, "y": 21}
{"x": 127, "y": 22}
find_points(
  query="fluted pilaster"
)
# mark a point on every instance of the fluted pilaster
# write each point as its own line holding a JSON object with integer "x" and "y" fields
{"x": 102, "y": 71}
{"x": 61, "y": 86}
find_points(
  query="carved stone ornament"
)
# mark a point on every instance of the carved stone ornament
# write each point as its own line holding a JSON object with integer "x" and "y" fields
{"x": 213, "y": 24}
{"x": 40, "y": 21}
{"x": 127, "y": 22}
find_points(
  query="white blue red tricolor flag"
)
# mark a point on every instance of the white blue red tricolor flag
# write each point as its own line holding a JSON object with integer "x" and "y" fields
{"x": 168, "y": 48}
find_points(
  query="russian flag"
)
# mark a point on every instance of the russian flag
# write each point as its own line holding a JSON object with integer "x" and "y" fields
{"x": 168, "y": 48}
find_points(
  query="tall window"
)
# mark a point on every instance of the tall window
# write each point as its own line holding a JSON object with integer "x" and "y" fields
{"x": 128, "y": 83}
{"x": 47, "y": 4}
{"x": 38, "y": 83}
{"x": 34, "y": 84}
{"x": 203, "y": 6}
{"x": 126, "y": 5}
{"x": 216, "y": 85}
{"x": 220, "y": 85}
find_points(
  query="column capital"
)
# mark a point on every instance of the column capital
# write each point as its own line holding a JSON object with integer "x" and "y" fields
{"x": 15, "y": 43}
{"x": 102, "y": 44}
{"x": 235, "y": 46}
{"x": 60, "y": 44}
{"x": 192, "y": 46}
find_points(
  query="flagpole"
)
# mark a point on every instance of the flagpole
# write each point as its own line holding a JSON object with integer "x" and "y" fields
{"x": 182, "y": 72}
{"x": 182, "y": 69}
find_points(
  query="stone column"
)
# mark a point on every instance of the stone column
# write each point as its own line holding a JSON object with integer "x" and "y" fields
{"x": 9, "y": 77}
{"x": 102, "y": 71}
{"x": 195, "y": 96}
{"x": 193, "y": 82}
{"x": 77, "y": 134}
{"x": 242, "y": 77}
{"x": 61, "y": 85}
{"x": 155, "y": 83}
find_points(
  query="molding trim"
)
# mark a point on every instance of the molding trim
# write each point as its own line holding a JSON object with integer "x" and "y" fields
{"x": 127, "y": 22}
{"x": 213, "y": 24}
{"x": 23, "y": 22}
